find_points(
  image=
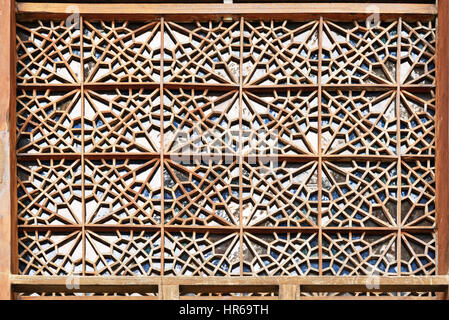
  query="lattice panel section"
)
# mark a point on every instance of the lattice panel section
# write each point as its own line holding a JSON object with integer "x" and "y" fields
{"x": 201, "y": 254}
{"x": 362, "y": 123}
{"x": 278, "y": 123}
{"x": 49, "y": 192}
{"x": 417, "y": 114}
{"x": 123, "y": 192}
{"x": 125, "y": 120}
{"x": 50, "y": 253}
{"x": 280, "y": 194}
{"x": 359, "y": 194}
{"x": 359, "y": 254}
{"x": 280, "y": 254}
{"x": 201, "y": 193}
{"x": 279, "y": 53}
{"x": 371, "y": 295}
{"x": 418, "y": 53}
{"x": 122, "y": 51}
{"x": 226, "y": 148}
{"x": 197, "y": 121}
{"x": 236, "y": 295}
{"x": 418, "y": 254}
{"x": 418, "y": 193}
{"x": 48, "y": 121}
{"x": 123, "y": 253}
{"x": 48, "y": 52}
{"x": 202, "y": 52}
{"x": 355, "y": 54}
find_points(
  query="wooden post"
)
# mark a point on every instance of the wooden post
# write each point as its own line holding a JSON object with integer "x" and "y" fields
{"x": 288, "y": 292}
{"x": 7, "y": 84}
{"x": 169, "y": 292}
{"x": 442, "y": 140}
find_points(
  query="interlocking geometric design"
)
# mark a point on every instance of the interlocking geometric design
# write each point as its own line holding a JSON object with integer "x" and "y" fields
{"x": 363, "y": 123}
{"x": 359, "y": 254}
{"x": 50, "y": 253}
{"x": 355, "y": 54}
{"x": 215, "y": 148}
{"x": 201, "y": 193}
{"x": 280, "y": 123}
{"x": 417, "y": 115}
{"x": 49, "y": 192}
{"x": 201, "y": 122}
{"x": 418, "y": 252}
{"x": 201, "y": 254}
{"x": 280, "y": 196}
{"x": 280, "y": 254}
{"x": 202, "y": 52}
{"x": 80, "y": 295}
{"x": 359, "y": 194}
{"x": 418, "y": 193}
{"x": 48, "y": 121}
{"x": 123, "y": 192}
{"x": 122, "y": 51}
{"x": 120, "y": 253}
{"x": 280, "y": 53}
{"x": 122, "y": 121}
{"x": 418, "y": 52}
{"x": 48, "y": 52}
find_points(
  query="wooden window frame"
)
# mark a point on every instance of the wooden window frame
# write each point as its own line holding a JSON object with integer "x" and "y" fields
{"x": 170, "y": 288}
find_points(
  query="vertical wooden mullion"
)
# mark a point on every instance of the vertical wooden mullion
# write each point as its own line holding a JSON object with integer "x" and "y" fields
{"x": 320, "y": 154}
{"x": 289, "y": 292}
{"x": 8, "y": 195}
{"x": 12, "y": 149}
{"x": 161, "y": 164}
{"x": 442, "y": 139}
{"x": 398, "y": 148}
{"x": 240, "y": 155}
{"x": 83, "y": 163}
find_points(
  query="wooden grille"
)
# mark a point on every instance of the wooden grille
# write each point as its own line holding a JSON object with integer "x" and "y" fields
{"x": 324, "y": 133}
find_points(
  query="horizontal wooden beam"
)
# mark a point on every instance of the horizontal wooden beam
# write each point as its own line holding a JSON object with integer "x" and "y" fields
{"x": 123, "y": 284}
{"x": 90, "y": 297}
{"x": 86, "y": 284}
{"x": 193, "y": 11}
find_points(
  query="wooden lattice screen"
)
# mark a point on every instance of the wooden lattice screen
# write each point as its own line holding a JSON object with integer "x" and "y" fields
{"x": 231, "y": 147}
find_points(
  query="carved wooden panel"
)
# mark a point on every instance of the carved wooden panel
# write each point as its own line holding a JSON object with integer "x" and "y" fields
{"x": 48, "y": 52}
{"x": 213, "y": 148}
{"x": 354, "y": 53}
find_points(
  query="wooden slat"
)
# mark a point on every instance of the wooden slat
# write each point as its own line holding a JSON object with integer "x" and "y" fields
{"x": 7, "y": 77}
{"x": 442, "y": 137}
{"x": 210, "y": 11}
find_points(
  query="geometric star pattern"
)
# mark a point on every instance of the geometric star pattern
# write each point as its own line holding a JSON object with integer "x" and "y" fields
{"x": 355, "y": 54}
{"x": 362, "y": 194}
{"x": 48, "y": 52}
{"x": 226, "y": 148}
